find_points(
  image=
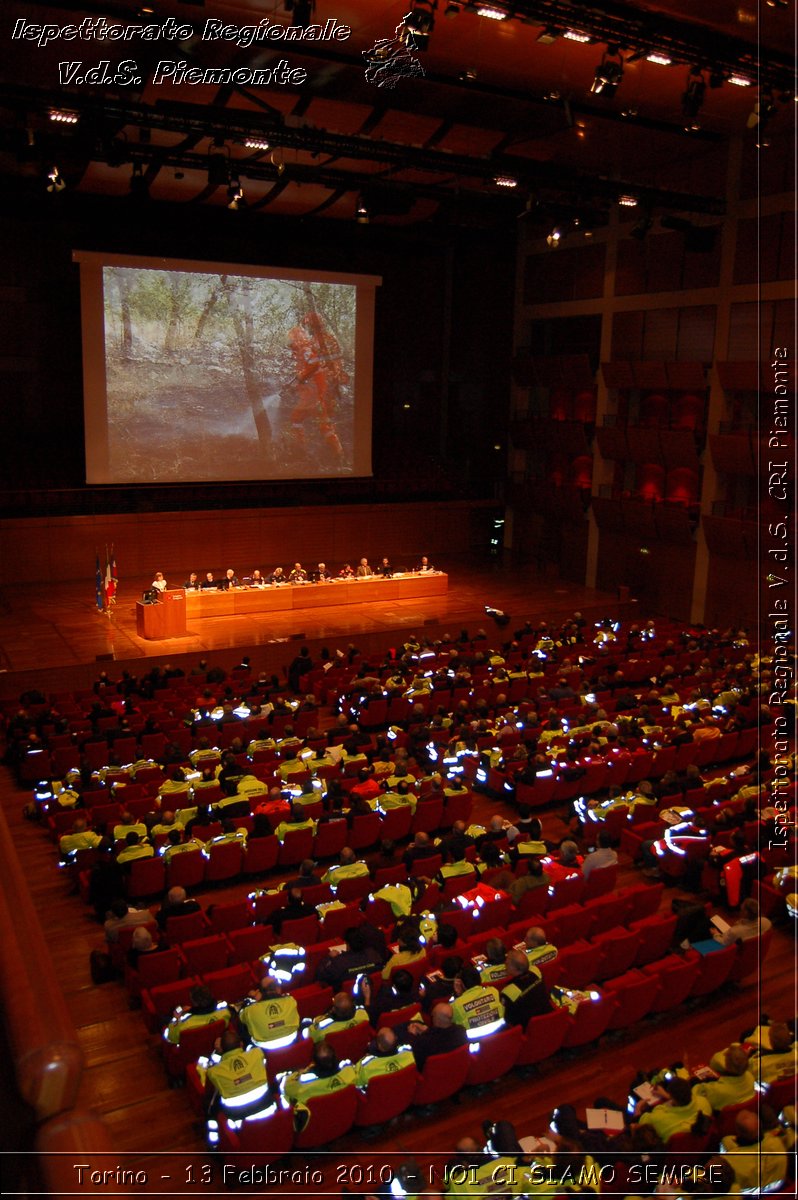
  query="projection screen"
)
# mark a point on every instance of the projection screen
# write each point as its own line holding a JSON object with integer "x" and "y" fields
{"x": 215, "y": 372}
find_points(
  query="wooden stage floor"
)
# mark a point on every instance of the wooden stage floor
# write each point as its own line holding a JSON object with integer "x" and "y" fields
{"x": 59, "y": 629}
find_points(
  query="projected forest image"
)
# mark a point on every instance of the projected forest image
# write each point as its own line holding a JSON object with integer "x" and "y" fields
{"x": 213, "y": 377}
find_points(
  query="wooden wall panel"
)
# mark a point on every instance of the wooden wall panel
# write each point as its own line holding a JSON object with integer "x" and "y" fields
{"x": 702, "y": 270}
{"x": 660, "y": 333}
{"x": 770, "y": 172}
{"x": 782, "y": 329}
{"x": 661, "y": 580}
{"x": 731, "y": 597}
{"x": 743, "y": 332}
{"x": 695, "y": 338}
{"x": 627, "y": 336}
{"x": 758, "y": 250}
{"x": 567, "y": 273}
{"x": 665, "y": 253}
{"x": 42, "y": 550}
{"x": 630, "y": 271}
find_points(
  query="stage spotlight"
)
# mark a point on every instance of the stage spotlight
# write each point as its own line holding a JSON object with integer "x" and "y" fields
{"x": 693, "y": 98}
{"x": 362, "y": 211}
{"x": 608, "y": 76}
{"x": 138, "y": 184}
{"x": 554, "y": 238}
{"x": 417, "y": 27}
{"x": 764, "y": 109}
{"x": 55, "y": 182}
{"x": 301, "y": 12}
{"x": 643, "y": 223}
{"x": 235, "y": 196}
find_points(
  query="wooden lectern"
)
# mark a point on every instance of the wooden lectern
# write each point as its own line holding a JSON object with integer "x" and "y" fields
{"x": 164, "y": 619}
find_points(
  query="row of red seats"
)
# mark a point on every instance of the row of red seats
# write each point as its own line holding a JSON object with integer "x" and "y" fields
{"x": 625, "y": 1000}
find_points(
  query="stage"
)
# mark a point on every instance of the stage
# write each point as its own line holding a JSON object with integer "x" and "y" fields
{"x": 55, "y": 636}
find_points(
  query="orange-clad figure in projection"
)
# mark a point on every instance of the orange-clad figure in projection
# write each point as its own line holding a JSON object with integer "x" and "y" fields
{"x": 319, "y": 375}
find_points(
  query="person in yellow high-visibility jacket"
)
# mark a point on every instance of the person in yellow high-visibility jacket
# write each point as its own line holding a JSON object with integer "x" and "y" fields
{"x": 324, "y": 1075}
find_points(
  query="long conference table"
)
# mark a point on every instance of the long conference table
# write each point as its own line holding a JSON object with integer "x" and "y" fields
{"x": 288, "y": 597}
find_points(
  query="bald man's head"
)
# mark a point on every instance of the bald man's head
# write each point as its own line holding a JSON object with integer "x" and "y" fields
{"x": 747, "y": 1128}
{"x": 780, "y": 1037}
{"x": 343, "y": 1006}
{"x": 517, "y": 963}
{"x": 385, "y": 1041}
{"x": 442, "y": 1016}
{"x": 229, "y": 1041}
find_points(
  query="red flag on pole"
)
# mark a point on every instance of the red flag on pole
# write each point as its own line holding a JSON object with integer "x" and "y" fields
{"x": 111, "y": 580}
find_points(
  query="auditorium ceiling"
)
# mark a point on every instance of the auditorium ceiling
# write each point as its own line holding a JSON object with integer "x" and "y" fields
{"x": 393, "y": 111}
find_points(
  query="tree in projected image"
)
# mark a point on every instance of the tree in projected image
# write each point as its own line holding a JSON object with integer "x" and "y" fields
{"x": 206, "y": 378}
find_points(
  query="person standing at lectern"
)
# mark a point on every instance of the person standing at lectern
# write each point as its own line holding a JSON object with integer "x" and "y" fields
{"x": 158, "y": 583}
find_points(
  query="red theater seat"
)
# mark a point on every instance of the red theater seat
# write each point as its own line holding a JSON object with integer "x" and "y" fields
{"x": 386, "y": 1097}
{"x": 493, "y": 1056}
{"x": 442, "y": 1076}
{"x": 331, "y": 1116}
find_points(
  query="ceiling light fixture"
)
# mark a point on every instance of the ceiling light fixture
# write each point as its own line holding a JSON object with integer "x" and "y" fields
{"x": 663, "y": 60}
{"x": 554, "y": 238}
{"x": 548, "y": 35}
{"x": 741, "y": 80}
{"x": 627, "y": 201}
{"x": 492, "y": 12}
{"x": 362, "y": 211}
{"x": 256, "y": 143}
{"x": 63, "y": 116}
{"x": 505, "y": 181}
{"x": 576, "y": 35}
